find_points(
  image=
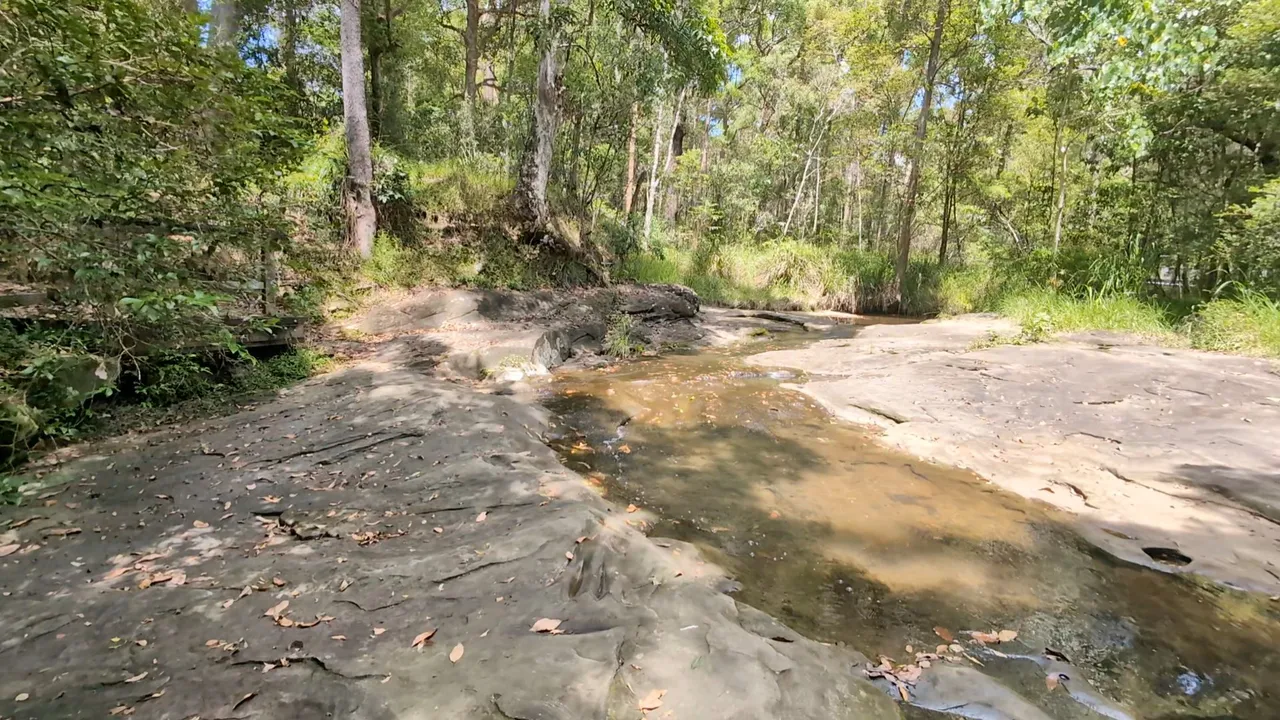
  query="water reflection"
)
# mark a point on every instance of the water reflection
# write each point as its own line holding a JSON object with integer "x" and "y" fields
{"x": 847, "y": 541}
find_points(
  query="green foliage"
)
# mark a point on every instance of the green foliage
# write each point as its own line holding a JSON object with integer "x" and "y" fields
{"x": 621, "y": 337}
{"x": 1249, "y": 324}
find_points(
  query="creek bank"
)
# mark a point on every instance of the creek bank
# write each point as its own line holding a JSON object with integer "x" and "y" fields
{"x": 377, "y": 543}
{"x": 1167, "y": 458}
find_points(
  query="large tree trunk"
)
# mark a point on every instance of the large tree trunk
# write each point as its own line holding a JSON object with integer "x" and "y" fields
{"x": 357, "y": 198}
{"x": 226, "y": 21}
{"x": 629, "y": 182}
{"x": 917, "y": 153}
{"x": 529, "y": 200}
{"x": 671, "y": 201}
{"x": 289, "y": 47}
{"x": 470, "y": 67}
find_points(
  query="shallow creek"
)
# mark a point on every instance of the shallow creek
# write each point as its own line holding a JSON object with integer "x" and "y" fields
{"x": 849, "y": 542}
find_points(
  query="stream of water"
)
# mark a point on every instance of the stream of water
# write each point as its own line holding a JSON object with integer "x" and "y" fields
{"x": 849, "y": 542}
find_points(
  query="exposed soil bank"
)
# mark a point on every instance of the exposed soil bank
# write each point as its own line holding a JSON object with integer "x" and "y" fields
{"x": 1167, "y": 457}
{"x": 291, "y": 561}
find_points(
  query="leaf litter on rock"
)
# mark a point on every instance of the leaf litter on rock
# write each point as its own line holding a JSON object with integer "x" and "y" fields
{"x": 456, "y": 654}
{"x": 547, "y": 625}
{"x": 652, "y": 701}
{"x": 423, "y": 638}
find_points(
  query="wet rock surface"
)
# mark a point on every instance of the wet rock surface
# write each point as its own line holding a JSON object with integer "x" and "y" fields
{"x": 378, "y": 544}
{"x": 1167, "y": 457}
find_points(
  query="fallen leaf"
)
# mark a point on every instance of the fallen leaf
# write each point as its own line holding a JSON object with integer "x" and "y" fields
{"x": 109, "y": 576}
{"x": 437, "y": 530}
{"x": 944, "y": 633}
{"x": 278, "y": 582}
{"x": 456, "y": 654}
{"x": 275, "y": 610}
{"x": 624, "y": 449}
{"x": 632, "y": 508}
{"x": 339, "y": 638}
{"x": 140, "y": 643}
{"x": 62, "y": 532}
{"x": 910, "y": 649}
{"x": 246, "y": 592}
{"x": 546, "y": 625}
{"x": 212, "y": 643}
{"x": 652, "y": 701}
{"x": 271, "y": 499}
{"x": 378, "y": 631}
{"x": 984, "y": 637}
{"x": 22, "y": 697}
{"x": 569, "y": 555}
{"x": 6, "y": 550}
{"x": 481, "y": 517}
{"x": 342, "y": 586}
{"x": 423, "y": 638}
{"x": 177, "y": 577}
{"x": 1051, "y": 681}
{"x": 120, "y": 710}
{"x": 902, "y": 690}
{"x": 200, "y": 524}
{"x": 137, "y": 677}
{"x": 1006, "y": 635}
{"x": 953, "y": 647}
{"x": 284, "y": 622}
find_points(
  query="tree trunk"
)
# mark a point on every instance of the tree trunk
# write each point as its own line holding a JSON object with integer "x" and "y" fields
{"x": 357, "y": 201}
{"x": 529, "y": 200}
{"x": 675, "y": 148}
{"x": 948, "y": 209}
{"x": 289, "y": 47}
{"x": 470, "y": 68}
{"x": 629, "y": 182}
{"x": 653, "y": 174}
{"x": 1062, "y": 201}
{"x": 226, "y": 21}
{"x": 917, "y": 152}
{"x": 817, "y": 194}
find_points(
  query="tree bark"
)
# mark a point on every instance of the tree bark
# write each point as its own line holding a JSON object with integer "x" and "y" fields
{"x": 226, "y": 21}
{"x": 917, "y": 152}
{"x": 653, "y": 174}
{"x": 529, "y": 200}
{"x": 675, "y": 148}
{"x": 289, "y": 47}
{"x": 629, "y": 182}
{"x": 357, "y": 198}
{"x": 1062, "y": 200}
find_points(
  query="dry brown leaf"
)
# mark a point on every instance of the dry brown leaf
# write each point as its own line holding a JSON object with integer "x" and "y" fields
{"x": 6, "y": 550}
{"x": 955, "y": 648}
{"x": 275, "y": 610}
{"x": 177, "y": 577}
{"x": 339, "y": 638}
{"x": 944, "y": 633}
{"x": 271, "y": 499}
{"x": 200, "y": 524}
{"x": 22, "y": 697}
{"x": 278, "y": 582}
{"x": 481, "y": 517}
{"x": 212, "y": 643}
{"x": 652, "y": 701}
{"x": 545, "y": 625}
{"x": 342, "y": 586}
{"x": 984, "y": 637}
{"x": 902, "y": 690}
{"x": 632, "y": 508}
{"x": 246, "y": 592}
{"x": 456, "y": 653}
{"x": 1051, "y": 681}
{"x": 140, "y": 643}
{"x": 1005, "y": 636}
{"x": 624, "y": 449}
{"x": 423, "y": 638}
{"x": 61, "y": 532}
{"x": 437, "y": 530}
{"x": 569, "y": 556}
{"x": 285, "y": 622}
{"x": 121, "y": 710}
{"x": 109, "y": 576}
{"x": 378, "y": 631}
{"x": 137, "y": 677}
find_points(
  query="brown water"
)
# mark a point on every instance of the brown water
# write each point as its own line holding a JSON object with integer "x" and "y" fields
{"x": 848, "y": 541}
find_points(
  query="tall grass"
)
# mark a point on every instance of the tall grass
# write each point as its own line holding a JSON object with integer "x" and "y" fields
{"x": 1248, "y": 325}
{"x": 1087, "y": 295}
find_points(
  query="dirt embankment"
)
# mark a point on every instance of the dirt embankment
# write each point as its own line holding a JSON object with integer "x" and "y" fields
{"x": 378, "y": 543}
{"x": 1168, "y": 458}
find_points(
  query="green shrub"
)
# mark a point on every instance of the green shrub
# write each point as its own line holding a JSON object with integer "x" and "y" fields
{"x": 621, "y": 338}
